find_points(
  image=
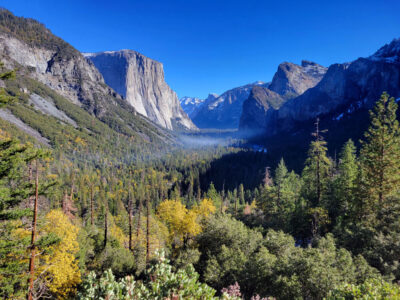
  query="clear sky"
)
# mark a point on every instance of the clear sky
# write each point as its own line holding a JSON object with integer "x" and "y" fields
{"x": 212, "y": 46}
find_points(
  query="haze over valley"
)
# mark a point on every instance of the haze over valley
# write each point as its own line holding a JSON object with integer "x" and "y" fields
{"x": 124, "y": 176}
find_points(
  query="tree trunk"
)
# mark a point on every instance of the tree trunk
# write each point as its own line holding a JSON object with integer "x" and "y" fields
{"x": 91, "y": 206}
{"x": 30, "y": 178}
{"x": 318, "y": 182}
{"x": 130, "y": 221}
{"x": 71, "y": 195}
{"x": 139, "y": 224}
{"x": 33, "y": 249}
{"x": 148, "y": 231}
{"x": 64, "y": 202}
{"x": 105, "y": 220}
{"x": 105, "y": 227}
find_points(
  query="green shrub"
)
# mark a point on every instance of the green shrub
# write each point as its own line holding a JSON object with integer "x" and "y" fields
{"x": 161, "y": 283}
{"x": 370, "y": 290}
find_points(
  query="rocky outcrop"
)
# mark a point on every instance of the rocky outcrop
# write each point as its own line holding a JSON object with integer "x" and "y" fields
{"x": 345, "y": 87}
{"x": 230, "y": 109}
{"x": 389, "y": 53}
{"x": 140, "y": 80}
{"x": 261, "y": 101}
{"x": 224, "y": 111}
{"x": 289, "y": 81}
{"x": 72, "y": 77}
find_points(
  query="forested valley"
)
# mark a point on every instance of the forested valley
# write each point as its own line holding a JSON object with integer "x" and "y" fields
{"x": 80, "y": 220}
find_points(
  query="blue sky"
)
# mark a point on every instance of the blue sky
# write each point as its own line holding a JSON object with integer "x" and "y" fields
{"x": 212, "y": 46}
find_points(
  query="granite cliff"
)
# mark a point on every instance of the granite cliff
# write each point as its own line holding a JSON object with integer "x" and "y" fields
{"x": 140, "y": 80}
{"x": 344, "y": 89}
{"x": 42, "y": 58}
{"x": 289, "y": 81}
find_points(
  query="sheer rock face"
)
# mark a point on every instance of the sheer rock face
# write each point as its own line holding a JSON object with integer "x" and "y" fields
{"x": 289, "y": 81}
{"x": 140, "y": 80}
{"x": 292, "y": 80}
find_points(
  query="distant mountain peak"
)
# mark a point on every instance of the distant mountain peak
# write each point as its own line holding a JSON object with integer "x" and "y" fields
{"x": 223, "y": 111}
{"x": 291, "y": 79}
{"x": 212, "y": 95}
{"x": 345, "y": 91}
{"x": 305, "y": 63}
{"x": 191, "y": 104}
{"x": 388, "y": 53}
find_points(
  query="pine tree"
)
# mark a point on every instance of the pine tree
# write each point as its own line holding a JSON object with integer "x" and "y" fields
{"x": 316, "y": 175}
{"x": 380, "y": 155}
{"x": 139, "y": 220}
{"x": 345, "y": 181}
{"x": 279, "y": 196}
{"x": 241, "y": 194}
{"x": 281, "y": 173}
{"x": 33, "y": 239}
{"x": 214, "y": 196}
{"x": 235, "y": 198}
{"x": 5, "y": 97}
{"x": 374, "y": 228}
{"x": 317, "y": 169}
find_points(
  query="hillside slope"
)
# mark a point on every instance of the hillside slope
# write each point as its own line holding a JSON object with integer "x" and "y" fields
{"x": 62, "y": 94}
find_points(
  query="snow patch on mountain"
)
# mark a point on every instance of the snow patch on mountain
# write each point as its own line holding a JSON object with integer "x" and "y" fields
{"x": 390, "y": 53}
{"x": 191, "y": 104}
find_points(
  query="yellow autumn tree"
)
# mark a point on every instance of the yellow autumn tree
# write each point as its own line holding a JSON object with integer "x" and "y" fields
{"x": 59, "y": 267}
{"x": 205, "y": 208}
{"x": 182, "y": 222}
{"x": 117, "y": 232}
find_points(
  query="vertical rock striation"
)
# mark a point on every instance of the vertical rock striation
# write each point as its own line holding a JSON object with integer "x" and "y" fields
{"x": 140, "y": 80}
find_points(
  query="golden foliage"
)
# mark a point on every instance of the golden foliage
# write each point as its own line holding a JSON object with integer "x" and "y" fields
{"x": 205, "y": 208}
{"x": 59, "y": 266}
{"x": 4, "y": 135}
{"x": 80, "y": 142}
{"x": 117, "y": 233}
{"x": 182, "y": 222}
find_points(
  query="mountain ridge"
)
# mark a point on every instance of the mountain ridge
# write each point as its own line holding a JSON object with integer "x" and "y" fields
{"x": 362, "y": 80}
{"x": 52, "y": 69}
{"x": 223, "y": 111}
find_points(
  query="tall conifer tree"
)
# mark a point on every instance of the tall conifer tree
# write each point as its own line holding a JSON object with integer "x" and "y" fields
{"x": 380, "y": 155}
